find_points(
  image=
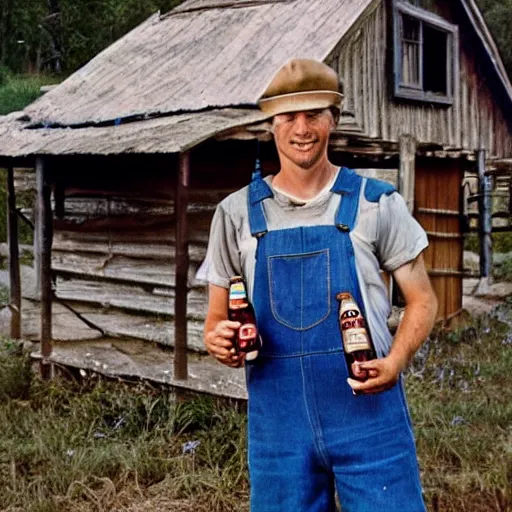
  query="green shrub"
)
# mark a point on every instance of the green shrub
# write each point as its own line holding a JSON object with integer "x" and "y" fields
{"x": 5, "y": 75}
{"x": 501, "y": 242}
{"x": 15, "y": 374}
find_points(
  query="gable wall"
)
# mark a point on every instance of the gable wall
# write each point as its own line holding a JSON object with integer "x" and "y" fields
{"x": 474, "y": 120}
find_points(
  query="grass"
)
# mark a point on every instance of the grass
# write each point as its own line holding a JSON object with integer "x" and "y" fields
{"x": 501, "y": 242}
{"x": 16, "y": 92}
{"x": 95, "y": 445}
{"x": 461, "y": 403}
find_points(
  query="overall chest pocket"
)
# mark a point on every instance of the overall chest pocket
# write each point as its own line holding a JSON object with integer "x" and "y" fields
{"x": 299, "y": 287}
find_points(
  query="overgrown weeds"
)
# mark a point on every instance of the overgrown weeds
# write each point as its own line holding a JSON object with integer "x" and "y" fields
{"x": 16, "y": 92}
{"x": 97, "y": 445}
{"x": 461, "y": 403}
{"x": 70, "y": 445}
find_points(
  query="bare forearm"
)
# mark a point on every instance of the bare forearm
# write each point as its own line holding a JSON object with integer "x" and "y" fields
{"x": 419, "y": 317}
{"x": 414, "y": 328}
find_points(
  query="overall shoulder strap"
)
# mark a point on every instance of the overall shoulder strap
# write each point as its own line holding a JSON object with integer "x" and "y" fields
{"x": 374, "y": 189}
{"x": 348, "y": 186}
{"x": 258, "y": 191}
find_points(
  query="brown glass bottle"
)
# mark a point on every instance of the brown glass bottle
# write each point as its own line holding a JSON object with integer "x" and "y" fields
{"x": 240, "y": 310}
{"x": 357, "y": 343}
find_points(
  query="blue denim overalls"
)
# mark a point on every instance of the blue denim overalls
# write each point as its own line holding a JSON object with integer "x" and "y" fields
{"x": 307, "y": 431}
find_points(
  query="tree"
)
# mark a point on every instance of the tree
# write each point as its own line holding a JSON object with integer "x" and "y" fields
{"x": 62, "y": 35}
{"x": 498, "y": 15}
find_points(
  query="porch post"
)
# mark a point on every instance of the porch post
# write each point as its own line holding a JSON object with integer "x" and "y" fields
{"x": 182, "y": 262}
{"x": 484, "y": 224}
{"x": 407, "y": 171}
{"x": 14, "y": 259}
{"x": 44, "y": 228}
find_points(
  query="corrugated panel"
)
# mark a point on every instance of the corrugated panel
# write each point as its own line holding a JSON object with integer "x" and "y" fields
{"x": 197, "y": 60}
{"x": 171, "y": 134}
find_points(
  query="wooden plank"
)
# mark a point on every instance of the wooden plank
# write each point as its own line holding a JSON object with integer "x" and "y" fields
{"x": 133, "y": 245}
{"x": 445, "y": 272}
{"x": 438, "y": 211}
{"x": 141, "y": 298}
{"x": 406, "y": 174}
{"x": 44, "y": 230}
{"x": 121, "y": 268}
{"x": 14, "y": 259}
{"x": 152, "y": 328}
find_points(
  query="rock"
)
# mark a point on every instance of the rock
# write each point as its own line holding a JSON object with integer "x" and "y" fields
{"x": 471, "y": 261}
{"x": 5, "y": 321}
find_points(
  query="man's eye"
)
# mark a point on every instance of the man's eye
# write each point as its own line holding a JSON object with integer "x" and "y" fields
{"x": 313, "y": 116}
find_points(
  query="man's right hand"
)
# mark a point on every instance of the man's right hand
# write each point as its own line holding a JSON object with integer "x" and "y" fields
{"x": 219, "y": 344}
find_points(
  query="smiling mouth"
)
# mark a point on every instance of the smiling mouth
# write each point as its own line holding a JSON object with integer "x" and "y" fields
{"x": 303, "y": 145}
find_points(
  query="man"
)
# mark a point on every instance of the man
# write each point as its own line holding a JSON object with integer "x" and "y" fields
{"x": 299, "y": 238}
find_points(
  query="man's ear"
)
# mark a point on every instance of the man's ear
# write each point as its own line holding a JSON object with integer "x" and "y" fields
{"x": 335, "y": 114}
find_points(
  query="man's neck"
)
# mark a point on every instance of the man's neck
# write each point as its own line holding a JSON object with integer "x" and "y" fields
{"x": 304, "y": 183}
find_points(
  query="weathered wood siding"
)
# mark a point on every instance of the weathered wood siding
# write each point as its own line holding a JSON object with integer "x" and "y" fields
{"x": 474, "y": 121}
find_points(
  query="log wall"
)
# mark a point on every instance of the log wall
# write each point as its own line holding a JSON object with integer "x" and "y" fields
{"x": 113, "y": 252}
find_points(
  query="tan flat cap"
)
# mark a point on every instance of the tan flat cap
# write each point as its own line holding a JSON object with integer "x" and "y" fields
{"x": 302, "y": 84}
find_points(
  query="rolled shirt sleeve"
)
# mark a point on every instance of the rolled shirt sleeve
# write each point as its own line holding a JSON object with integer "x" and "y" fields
{"x": 400, "y": 238}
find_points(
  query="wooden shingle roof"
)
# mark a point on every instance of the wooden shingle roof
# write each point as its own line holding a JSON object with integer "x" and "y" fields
{"x": 205, "y": 54}
{"x": 170, "y": 134}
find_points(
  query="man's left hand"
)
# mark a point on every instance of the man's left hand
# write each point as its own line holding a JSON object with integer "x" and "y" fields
{"x": 382, "y": 373}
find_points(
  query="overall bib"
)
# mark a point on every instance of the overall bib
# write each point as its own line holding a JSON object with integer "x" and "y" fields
{"x": 307, "y": 432}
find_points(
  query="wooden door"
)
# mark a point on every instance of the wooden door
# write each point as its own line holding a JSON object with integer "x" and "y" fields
{"x": 437, "y": 206}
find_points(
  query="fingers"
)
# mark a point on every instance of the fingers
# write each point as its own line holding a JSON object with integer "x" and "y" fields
{"x": 226, "y": 329}
{"x": 220, "y": 345}
{"x": 381, "y": 375}
{"x": 368, "y": 387}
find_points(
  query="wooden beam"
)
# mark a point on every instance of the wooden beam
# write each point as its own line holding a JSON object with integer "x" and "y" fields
{"x": 14, "y": 257}
{"x": 180, "y": 302}
{"x": 44, "y": 231}
{"x": 484, "y": 224}
{"x": 407, "y": 170}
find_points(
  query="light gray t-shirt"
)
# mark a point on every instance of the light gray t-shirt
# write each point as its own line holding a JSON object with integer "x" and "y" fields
{"x": 385, "y": 236}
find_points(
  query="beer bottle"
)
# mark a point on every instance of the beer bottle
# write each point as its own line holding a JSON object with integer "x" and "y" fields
{"x": 357, "y": 344}
{"x": 240, "y": 310}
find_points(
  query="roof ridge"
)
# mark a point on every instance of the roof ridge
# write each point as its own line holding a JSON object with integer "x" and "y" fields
{"x": 234, "y": 4}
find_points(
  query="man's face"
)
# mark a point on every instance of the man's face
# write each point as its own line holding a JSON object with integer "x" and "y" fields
{"x": 302, "y": 137}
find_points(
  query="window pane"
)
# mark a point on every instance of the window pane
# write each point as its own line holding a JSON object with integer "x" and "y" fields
{"x": 435, "y": 60}
{"x": 410, "y": 35}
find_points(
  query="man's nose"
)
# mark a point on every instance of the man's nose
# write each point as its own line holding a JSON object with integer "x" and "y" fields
{"x": 301, "y": 123}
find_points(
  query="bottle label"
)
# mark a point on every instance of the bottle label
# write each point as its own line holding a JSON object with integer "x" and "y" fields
{"x": 246, "y": 335}
{"x": 237, "y": 296}
{"x": 237, "y": 291}
{"x": 355, "y": 339}
{"x": 353, "y": 326}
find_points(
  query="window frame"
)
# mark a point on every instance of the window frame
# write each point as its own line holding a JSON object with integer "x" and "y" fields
{"x": 417, "y": 93}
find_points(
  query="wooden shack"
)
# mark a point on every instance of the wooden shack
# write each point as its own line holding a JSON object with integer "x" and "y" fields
{"x": 133, "y": 151}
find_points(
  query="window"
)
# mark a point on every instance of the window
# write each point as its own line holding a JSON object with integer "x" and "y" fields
{"x": 425, "y": 55}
